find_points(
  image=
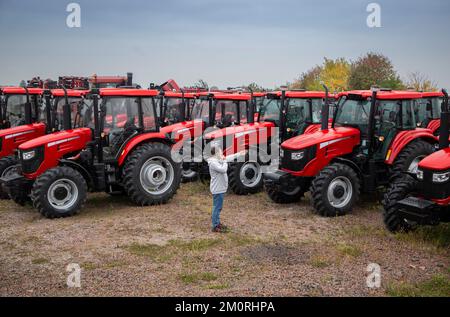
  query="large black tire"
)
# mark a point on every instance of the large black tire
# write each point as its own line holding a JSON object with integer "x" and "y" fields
{"x": 251, "y": 172}
{"x": 7, "y": 165}
{"x": 188, "y": 174}
{"x": 401, "y": 188}
{"x": 345, "y": 184}
{"x": 281, "y": 197}
{"x": 138, "y": 164}
{"x": 411, "y": 155}
{"x": 56, "y": 185}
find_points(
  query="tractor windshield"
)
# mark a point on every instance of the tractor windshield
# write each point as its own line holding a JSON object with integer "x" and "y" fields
{"x": 353, "y": 113}
{"x": 227, "y": 112}
{"x": 80, "y": 112}
{"x": 427, "y": 109}
{"x": 270, "y": 111}
{"x": 15, "y": 109}
{"x": 173, "y": 110}
{"x": 200, "y": 110}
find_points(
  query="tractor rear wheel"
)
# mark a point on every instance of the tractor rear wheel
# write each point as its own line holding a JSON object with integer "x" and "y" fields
{"x": 335, "y": 190}
{"x": 150, "y": 176}
{"x": 285, "y": 197}
{"x": 245, "y": 178}
{"x": 400, "y": 189}
{"x": 408, "y": 160}
{"x": 59, "y": 192}
{"x": 8, "y": 167}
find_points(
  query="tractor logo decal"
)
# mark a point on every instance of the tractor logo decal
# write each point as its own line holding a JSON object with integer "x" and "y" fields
{"x": 325, "y": 144}
{"x": 62, "y": 141}
{"x": 9, "y": 136}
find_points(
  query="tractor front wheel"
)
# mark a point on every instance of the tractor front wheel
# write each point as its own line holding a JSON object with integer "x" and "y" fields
{"x": 8, "y": 167}
{"x": 400, "y": 189}
{"x": 59, "y": 192}
{"x": 408, "y": 160}
{"x": 335, "y": 190}
{"x": 150, "y": 175}
{"x": 245, "y": 178}
{"x": 284, "y": 197}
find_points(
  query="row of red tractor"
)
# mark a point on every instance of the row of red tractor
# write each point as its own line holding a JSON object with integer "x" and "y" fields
{"x": 56, "y": 145}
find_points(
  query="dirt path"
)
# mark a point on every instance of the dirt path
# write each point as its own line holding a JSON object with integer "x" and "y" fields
{"x": 272, "y": 249}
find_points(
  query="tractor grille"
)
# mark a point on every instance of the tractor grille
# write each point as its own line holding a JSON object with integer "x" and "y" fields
{"x": 31, "y": 166}
{"x": 296, "y": 160}
{"x": 432, "y": 190}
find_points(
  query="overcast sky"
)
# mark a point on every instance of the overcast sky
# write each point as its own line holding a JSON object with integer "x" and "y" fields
{"x": 225, "y": 42}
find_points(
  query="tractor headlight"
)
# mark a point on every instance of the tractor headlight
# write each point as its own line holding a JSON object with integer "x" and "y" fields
{"x": 297, "y": 156}
{"x": 441, "y": 177}
{"x": 28, "y": 155}
{"x": 419, "y": 174}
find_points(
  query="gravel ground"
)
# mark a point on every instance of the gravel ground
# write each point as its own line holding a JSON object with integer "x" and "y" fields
{"x": 279, "y": 250}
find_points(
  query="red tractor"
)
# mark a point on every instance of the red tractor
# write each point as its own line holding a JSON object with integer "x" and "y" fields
{"x": 120, "y": 146}
{"x": 293, "y": 112}
{"x": 19, "y": 106}
{"x": 428, "y": 111}
{"x": 58, "y": 105}
{"x": 212, "y": 110}
{"x": 373, "y": 135}
{"x": 422, "y": 198}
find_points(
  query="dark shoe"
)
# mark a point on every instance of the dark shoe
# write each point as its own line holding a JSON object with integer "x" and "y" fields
{"x": 222, "y": 227}
{"x": 216, "y": 229}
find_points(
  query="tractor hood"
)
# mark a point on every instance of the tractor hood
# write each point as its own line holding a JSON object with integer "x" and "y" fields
{"x": 82, "y": 135}
{"x": 21, "y": 130}
{"x": 322, "y": 138}
{"x": 438, "y": 161}
{"x": 239, "y": 130}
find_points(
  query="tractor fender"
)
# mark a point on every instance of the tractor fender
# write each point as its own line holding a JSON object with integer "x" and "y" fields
{"x": 406, "y": 137}
{"x": 140, "y": 139}
{"x": 349, "y": 163}
{"x": 80, "y": 168}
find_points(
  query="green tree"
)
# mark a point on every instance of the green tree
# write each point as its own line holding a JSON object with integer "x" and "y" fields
{"x": 254, "y": 87}
{"x": 374, "y": 69}
{"x": 201, "y": 84}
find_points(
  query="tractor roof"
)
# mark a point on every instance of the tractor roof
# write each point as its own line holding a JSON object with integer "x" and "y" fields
{"x": 125, "y": 92}
{"x": 70, "y": 92}
{"x": 173, "y": 94}
{"x": 225, "y": 96}
{"x": 21, "y": 91}
{"x": 300, "y": 94}
{"x": 431, "y": 94}
{"x": 384, "y": 94}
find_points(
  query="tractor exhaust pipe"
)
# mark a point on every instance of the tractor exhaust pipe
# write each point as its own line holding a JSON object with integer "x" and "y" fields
{"x": 129, "y": 79}
{"x": 325, "y": 110}
{"x": 28, "y": 114}
{"x": 444, "y": 130}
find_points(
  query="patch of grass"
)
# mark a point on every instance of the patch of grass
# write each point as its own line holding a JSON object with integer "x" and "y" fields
{"x": 89, "y": 266}
{"x": 194, "y": 245}
{"x": 153, "y": 251}
{"x": 348, "y": 249}
{"x": 218, "y": 286}
{"x": 39, "y": 261}
{"x": 319, "y": 262}
{"x": 360, "y": 231}
{"x": 438, "y": 236}
{"x": 192, "y": 278}
{"x": 437, "y": 286}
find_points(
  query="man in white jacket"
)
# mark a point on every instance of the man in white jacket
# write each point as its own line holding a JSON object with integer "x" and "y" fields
{"x": 219, "y": 185}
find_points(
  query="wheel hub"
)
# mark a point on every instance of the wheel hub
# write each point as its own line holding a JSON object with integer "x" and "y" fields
{"x": 250, "y": 174}
{"x": 340, "y": 192}
{"x": 156, "y": 175}
{"x": 62, "y": 194}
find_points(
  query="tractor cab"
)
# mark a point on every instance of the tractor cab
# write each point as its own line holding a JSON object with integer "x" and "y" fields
{"x": 123, "y": 114}
{"x": 222, "y": 110}
{"x": 378, "y": 117}
{"x": 176, "y": 107}
{"x": 19, "y": 106}
{"x": 294, "y": 112}
{"x": 70, "y": 110}
{"x": 427, "y": 111}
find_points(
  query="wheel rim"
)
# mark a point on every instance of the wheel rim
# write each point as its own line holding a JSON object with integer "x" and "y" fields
{"x": 250, "y": 174}
{"x": 156, "y": 175}
{"x": 10, "y": 170}
{"x": 340, "y": 192}
{"x": 62, "y": 194}
{"x": 295, "y": 191}
{"x": 414, "y": 166}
